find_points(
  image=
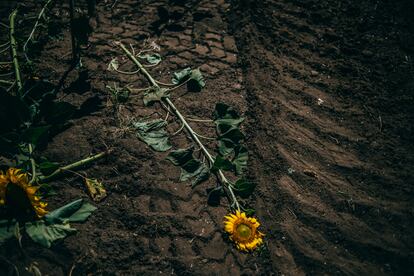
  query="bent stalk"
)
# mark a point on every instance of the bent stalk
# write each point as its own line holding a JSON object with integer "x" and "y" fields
{"x": 73, "y": 166}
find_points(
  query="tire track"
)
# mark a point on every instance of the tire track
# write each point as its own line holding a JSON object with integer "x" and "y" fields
{"x": 332, "y": 205}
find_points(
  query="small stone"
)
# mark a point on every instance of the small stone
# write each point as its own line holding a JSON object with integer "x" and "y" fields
{"x": 314, "y": 73}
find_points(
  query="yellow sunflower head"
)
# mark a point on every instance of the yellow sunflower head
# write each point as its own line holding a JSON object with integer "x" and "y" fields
{"x": 243, "y": 231}
{"x": 19, "y": 196}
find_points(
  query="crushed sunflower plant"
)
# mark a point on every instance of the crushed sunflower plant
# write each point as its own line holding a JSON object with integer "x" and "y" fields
{"x": 231, "y": 155}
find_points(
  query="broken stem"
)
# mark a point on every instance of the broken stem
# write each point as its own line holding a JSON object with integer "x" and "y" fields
{"x": 73, "y": 166}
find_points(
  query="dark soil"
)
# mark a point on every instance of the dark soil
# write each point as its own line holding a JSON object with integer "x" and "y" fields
{"x": 327, "y": 91}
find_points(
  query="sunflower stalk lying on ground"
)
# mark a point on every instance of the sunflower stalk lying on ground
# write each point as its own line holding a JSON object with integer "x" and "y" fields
{"x": 241, "y": 229}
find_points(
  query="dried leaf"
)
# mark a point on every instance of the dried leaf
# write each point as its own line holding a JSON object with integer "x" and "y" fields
{"x": 96, "y": 189}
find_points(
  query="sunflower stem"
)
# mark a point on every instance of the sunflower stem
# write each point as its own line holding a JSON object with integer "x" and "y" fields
{"x": 33, "y": 164}
{"x": 34, "y": 28}
{"x": 73, "y": 166}
{"x": 220, "y": 175}
{"x": 13, "y": 45}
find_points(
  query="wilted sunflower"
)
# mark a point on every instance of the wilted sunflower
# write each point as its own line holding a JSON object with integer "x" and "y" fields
{"x": 243, "y": 231}
{"x": 19, "y": 196}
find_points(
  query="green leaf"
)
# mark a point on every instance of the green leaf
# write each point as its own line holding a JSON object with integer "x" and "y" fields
{"x": 195, "y": 79}
{"x": 76, "y": 211}
{"x": 155, "y": 94}
{"x": 152, "y": 58}
{"x": 48, "y": 167}
{"x": 45, "y": 235}
{"x": 35, "y": 135}
{"x": 153, "y": 133}
{"x": 113, "y": 65}
{"x": 240, "y": 159}
{"x": 214, "y": 196}
{"x": 82, "y": 213}
{"x": 6, "y": 230}
{"x": 181, "y": 76}
{"x": 225, "y": 147}
{"x": 119, "y": 94}
{"x": 181, "y": 156}
{"x": 190, "y": 167}
{"x": 196, "y": 82}
{"x": 203, "y": 173}
{"x": 250, "y": 212}
{"x": 227, "y": 124}
{"x": 244, "y": 188}
{"x": 223, "y": 111}
{"x": 220, "y": 163}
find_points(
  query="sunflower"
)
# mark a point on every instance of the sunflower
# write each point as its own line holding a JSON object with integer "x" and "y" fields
{"x": 243, "y": 231}
{"x": 19, "y": 196}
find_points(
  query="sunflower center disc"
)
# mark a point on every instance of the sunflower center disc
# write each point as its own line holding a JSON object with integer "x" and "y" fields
{"x": 244, "y": 231}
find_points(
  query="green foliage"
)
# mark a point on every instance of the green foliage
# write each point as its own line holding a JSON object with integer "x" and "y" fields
{"x": 214, "y": 195}
{"x": 240, "y": 159}
{"x": 220, "y": 163}
{"x": 193, "y": 77}
{"x": 232, "y": 155}
{"x": 118, "y": 94}
{"x": 250, "y": 212}
{"x": 244, "y": 188}
{"x": 155, "y": 94}
{"x": 153, "y": 133}
{"x": 34, "y": 135}
{"x": 33, "y": 117}
{"x": 227, "y": 125}
{"x": 152, "y": 58}
{"x": 181, "y": 76}
{"x": 45, "y": 234}
{"x": 191, "y": 168}
{"x": 54, "y": 226}
{"x": 76, "y": 211}
{"x": 47, "y": 167}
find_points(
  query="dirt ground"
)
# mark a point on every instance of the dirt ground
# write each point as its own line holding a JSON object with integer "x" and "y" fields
{"x": 326, "y": 87}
